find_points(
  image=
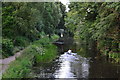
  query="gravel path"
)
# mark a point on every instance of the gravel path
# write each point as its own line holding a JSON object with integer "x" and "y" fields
{"x": 4, "y": 63}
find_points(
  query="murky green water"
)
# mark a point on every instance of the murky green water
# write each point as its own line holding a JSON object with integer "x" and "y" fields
{"x": 76, "y": 66}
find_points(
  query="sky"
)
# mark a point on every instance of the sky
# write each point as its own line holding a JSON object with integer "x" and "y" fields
{"x": 66, "y": 3}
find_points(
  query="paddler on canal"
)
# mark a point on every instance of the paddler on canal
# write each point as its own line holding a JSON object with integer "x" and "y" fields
{"x": 69, "y": 51}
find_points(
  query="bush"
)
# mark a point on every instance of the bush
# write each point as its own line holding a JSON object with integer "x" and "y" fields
{"x": 7, "y": 47}
{"x": 42, "y": 34}
{"x": 43, "y": 41}
{"x": 33, "y": 49}
{"x": 21, "y": 41}
{"x": 46, "y": 40}
{"x": 42, "y": 49}
{"x": 55, "y": 37}
{"x": 17, "y": 49}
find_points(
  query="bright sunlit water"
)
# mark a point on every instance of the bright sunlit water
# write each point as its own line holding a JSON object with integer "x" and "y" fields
{"x": 69, "y": 66}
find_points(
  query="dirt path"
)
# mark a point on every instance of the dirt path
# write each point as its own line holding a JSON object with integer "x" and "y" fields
{"x": 4, "y": 63}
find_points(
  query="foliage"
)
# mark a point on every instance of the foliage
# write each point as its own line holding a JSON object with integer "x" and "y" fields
{"x": 43, "y": 41}
{"x": 7, "y": 47}
{"x": 17, "y": 49}
{"x": 20, "y": 69}
{"x": 29, "y": 19}
{"x": 54, "y": 37}
{"x": 21, "y": 41}
{"x": 47, "y": 55}
{"x": 34, "y": 53}
{"x": 96, "y": 23}
{"x": 25, "y": 22}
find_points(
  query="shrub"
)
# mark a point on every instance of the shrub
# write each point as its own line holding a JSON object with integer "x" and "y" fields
{"x": 42, "y": 49}
{"x": 33, "y": 49}
{"x": 21, "y": 41}
{"x": 7, "y": 47}
{"x": 17, "y": 49}
{"x": 55, "y": 37}
{"x": 43, "y": 41}
{"x": 42, "y": 34}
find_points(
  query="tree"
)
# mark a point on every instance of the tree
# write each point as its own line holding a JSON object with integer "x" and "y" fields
{"x": 96, "y": 24}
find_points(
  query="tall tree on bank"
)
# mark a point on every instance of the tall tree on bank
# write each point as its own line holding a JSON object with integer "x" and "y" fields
{"x": 29, "y": 19}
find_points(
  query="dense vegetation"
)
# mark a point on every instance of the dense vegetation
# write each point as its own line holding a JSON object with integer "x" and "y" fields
{"x": 32, "y": 27}
{"x": 38, "y": 52}
{"x": 25, "y": 22}
{"x": 96, "y": 25}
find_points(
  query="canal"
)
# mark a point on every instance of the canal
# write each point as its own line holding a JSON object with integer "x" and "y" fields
{"x": 75, "y": 65}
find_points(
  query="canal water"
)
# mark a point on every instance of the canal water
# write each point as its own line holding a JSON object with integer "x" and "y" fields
{"x": 75, "y": 65}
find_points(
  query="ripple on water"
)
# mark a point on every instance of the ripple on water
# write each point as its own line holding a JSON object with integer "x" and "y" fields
{"x": 71, "y": 66}
{"x": 75, "y": 66}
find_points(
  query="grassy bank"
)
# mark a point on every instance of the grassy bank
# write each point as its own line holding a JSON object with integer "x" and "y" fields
{"x": 39, "y": 51}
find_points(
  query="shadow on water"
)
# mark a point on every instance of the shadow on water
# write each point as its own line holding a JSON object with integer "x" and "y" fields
{"x": 75, "y": 64}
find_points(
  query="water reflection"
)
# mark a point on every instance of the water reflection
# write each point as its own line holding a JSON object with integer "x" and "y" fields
{"x": 72, "y": 66}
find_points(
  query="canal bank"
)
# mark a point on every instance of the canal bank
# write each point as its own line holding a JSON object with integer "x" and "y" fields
{"x": 39, "y": 51}
{"x": 62, "y": 65}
